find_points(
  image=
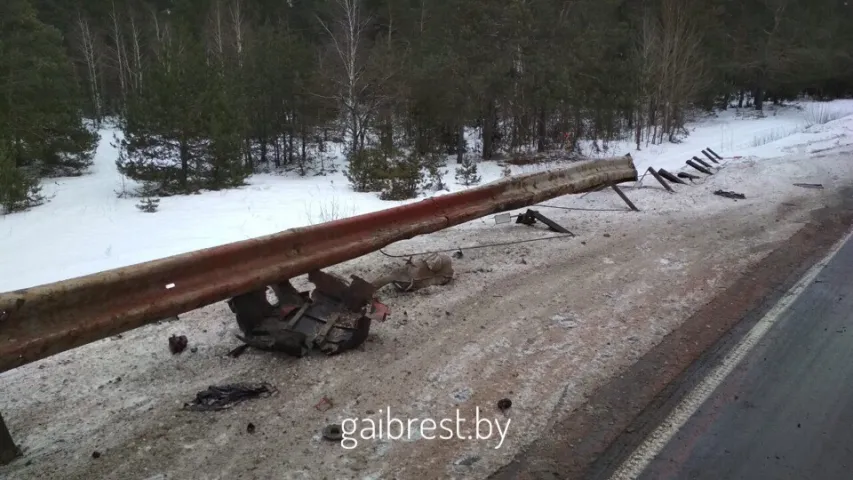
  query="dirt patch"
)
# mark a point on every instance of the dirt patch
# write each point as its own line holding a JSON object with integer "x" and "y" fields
{"x": 542, "y": 324}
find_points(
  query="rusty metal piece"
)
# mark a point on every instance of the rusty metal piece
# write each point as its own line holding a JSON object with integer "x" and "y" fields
{"x": 49, "y": 319}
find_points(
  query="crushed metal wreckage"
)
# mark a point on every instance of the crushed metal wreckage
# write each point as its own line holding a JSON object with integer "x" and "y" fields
{"x": 332, "y": 318}
{"x": 335, "y": 316}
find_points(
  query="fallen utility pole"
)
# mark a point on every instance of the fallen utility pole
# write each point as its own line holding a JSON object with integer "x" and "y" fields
{"x": 45, "y": 320}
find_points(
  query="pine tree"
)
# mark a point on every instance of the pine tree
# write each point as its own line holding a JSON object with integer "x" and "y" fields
{"x": 19, "y": 189}
{"x": 40, "y": 100}
{"x": 183, "y": 132}
{"x": 466, "y": 173}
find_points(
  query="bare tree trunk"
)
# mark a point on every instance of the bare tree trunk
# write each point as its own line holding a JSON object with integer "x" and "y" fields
{"x": 87, "y": 47}
{"x": 185, "y": 164}
{"x": 489, "y": 130}
{"x": 460, "y": 143}
{"x": 238, "y": 22}
{"x": 119, "y": 49}
{"x": 137, "y": 54}
{"x": 347, "y": 42}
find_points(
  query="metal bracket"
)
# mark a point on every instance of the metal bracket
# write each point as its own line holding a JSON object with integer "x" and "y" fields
{"x": 530, "y": 216}
{"x": 624, "y": 197}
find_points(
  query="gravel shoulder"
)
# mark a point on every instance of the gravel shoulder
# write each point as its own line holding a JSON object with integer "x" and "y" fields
{"x": 542, "y": 323}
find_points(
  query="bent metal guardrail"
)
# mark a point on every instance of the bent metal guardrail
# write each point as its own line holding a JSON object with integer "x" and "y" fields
{"x": 45, "y": 320}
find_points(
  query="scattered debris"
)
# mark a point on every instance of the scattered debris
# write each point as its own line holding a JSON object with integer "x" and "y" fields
{"x": 238, "y": 350}
{"x": 333, "y": 432}
{"x": 434, "y": 269}
{"x": 564, "y": 321}
{"x": 818, "y": 186}
{"x": 250, "y": 428}
{"x": 462, "y": 395}
{"x": 177, "y": 344}
{"x": 504, "y": 404}
{"x": 324, "y": 404}
{"x": 458, "y": 254}
{"x": 335, "y": 317}
{"x": 732, "y": 195}
{"x": 226, "y": 396}
{"x": 96, "y": 454}
{"x": 468, "y": 461}
{"x": 530, "y": 216}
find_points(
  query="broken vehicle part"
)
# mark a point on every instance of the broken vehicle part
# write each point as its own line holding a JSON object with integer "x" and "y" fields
{"x": 732, "y": 195}
{"x": 433, "y": 269}
{"x": 334, "y": 317}
{"x": 333, "y": 433}
{"x": 226, "y": 396}
{"x": 177, "y": 344}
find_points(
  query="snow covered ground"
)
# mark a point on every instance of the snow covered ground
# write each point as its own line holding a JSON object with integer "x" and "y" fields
{"x": 86, "y": 228}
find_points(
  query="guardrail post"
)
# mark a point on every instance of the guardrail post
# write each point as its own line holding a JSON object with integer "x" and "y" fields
{"x": 699, "y": 167}
{"x": 715, "y": 153}
{"x": 8, "y": 450}
{"x": 702, "y": 162}
{"x": 660, "y": 180}
{"x": 625, "y": 198}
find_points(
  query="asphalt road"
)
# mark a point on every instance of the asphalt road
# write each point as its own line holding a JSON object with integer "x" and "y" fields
{"x": 786, "y": 410}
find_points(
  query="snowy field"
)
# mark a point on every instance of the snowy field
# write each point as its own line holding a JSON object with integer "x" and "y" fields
{"x": 85, "y": 228}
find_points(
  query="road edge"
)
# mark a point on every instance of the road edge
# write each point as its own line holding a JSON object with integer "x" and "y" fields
{"x": 592, "y": 440}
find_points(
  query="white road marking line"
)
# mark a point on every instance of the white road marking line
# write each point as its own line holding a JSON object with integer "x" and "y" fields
{"x": 634, "y": 466}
